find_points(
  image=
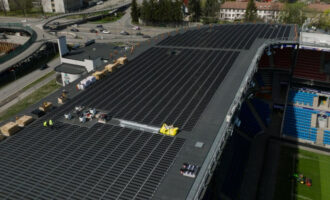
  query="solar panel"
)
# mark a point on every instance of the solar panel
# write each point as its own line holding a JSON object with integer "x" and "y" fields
{"x": 75, "y": 162}
{"x": 162, "y": 87}
{"x": 239, "y": 36}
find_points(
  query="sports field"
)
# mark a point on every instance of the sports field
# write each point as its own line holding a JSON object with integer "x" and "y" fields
{"x": 312, "y": 165}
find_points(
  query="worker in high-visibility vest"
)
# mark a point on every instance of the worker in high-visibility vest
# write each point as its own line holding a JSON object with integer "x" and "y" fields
{"x": 45, "y": 124}
{"x": 51, "y": 123}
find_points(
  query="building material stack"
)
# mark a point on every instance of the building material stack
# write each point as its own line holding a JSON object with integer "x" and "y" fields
{"x": 111, "y": 67}
{"x": 46, "y": 106}
{"x": 100, "y": 74}
{"x": 86, "y": 82}
{"x": 121, "y": 60}
{"x": 62, "y": 98}
{"x": 10, "y": 129}
{"x": 24, "y": 120}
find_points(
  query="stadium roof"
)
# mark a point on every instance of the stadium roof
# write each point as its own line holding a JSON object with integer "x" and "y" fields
{"x": 70, "y": 69}
{"x": 91, "y": 52}
{"x": 189, "y": 79}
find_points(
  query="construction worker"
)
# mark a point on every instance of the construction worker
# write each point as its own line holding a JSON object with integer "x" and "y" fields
{"x": 45, "y": 123}
{"x": 51, "y": 123}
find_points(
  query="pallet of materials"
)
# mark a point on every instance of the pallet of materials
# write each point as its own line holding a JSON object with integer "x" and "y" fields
{"x": 121, "y": 60}
{"x": 98, "y": 75}
{"x": 46, "y": 106}
{"x": 10, "y": 129}
{"x": 24, "y": 120}
{"x": 83, "y": 84}
{"x": 111, "y": 67}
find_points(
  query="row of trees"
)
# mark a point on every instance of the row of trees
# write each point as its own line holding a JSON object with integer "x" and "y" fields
{"x": 163, "y": 11}
{"x": 152, "y": 11}
{"x": 171, "y": 11}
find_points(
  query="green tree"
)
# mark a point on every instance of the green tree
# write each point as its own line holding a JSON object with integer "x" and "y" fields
{"x": 177, "y": 12}
{"x": 324, "y": 21}
{"x": 251, "y": 11}
{"x": 194, "y": 7}
{"x": 210, "y": 11}
{"x": 145, "y": 11}
{"x": 293, "y": 13}
{"x": 24, "y": 5}
{"x": 135, "y": 12}
{"x": 163, "y": 11}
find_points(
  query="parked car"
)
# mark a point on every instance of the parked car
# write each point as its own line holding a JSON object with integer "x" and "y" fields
{"x": 74, "y": 30}
{"x": 136, "y": 28}
{"x": 105, "y": 31}
{"x": 93, "y": 31}
{"x": 123, "y": 33}
{"x": 146, "y": 36}
{"x": 99, "y": 3}
{"x": 99, "y": 26}
{"x": 139, "y": 33}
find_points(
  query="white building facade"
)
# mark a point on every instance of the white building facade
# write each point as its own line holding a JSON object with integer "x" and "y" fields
{"x": 61, "y": 6}
{"x": 231, "y": 10}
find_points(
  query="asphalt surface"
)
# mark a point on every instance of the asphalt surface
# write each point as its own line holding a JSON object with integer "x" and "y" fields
{"x": 123, "y": 24}
{"x": 20, "y": 83}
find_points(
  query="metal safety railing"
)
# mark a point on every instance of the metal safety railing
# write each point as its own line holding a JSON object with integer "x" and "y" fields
{"x": 23, "y": 47}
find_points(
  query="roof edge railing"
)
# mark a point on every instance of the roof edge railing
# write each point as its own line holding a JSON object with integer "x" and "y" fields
{"x": 202, "y": 180}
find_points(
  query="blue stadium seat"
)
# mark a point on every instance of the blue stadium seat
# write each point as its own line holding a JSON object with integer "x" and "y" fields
{"x": 299, "y": 96}
{"x": 326, "y": 137}
{"x": 297, "y": 123}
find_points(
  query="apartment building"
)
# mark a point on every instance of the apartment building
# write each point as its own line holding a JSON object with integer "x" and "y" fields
{"x": 234, "y": 10}
{"x": 61, "y": 6}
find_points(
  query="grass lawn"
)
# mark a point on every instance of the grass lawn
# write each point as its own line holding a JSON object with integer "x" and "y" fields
{"x": 30, "y": 100}
{"x": 312, "y": 165}
{"x": 37, "y": 81}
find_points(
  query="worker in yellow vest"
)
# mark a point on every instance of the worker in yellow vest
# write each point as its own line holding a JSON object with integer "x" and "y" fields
{"x": 51, "y": 123}
{"x": 45, "y": 124}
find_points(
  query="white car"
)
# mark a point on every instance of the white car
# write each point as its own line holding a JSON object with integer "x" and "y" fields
{"x": 136, "y": 28}
{"x": 106, "y": 31}
{"x": 99, "y": 3}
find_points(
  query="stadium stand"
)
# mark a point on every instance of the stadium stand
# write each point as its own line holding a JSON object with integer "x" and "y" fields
{"x": 301, "y": 96}
{"x": 239, "y": 149}
{"x": 326, "y": 137}
{"x": 259, "y": 79}
{"x": 249, "y": 124}
{"x": 262, "y": 109}
{"x": 298, "y": 123}
{"x": 308, "y": 65}
{"x": 264, "y": 61}
{"x": 283, "y": 58}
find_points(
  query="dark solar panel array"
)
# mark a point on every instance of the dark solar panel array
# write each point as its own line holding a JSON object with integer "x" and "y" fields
{"x": 160, "y": 87}
{"x": 228, "y": 36}
{"x": 71, "y": 162}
